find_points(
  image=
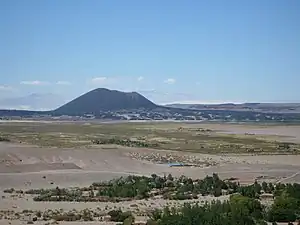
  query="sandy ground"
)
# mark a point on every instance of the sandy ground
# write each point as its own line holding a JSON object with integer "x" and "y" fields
{"x": 284, "y": 133}
{"x": 26, "y": 167}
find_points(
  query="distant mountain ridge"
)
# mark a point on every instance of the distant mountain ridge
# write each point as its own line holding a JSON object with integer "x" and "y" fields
{"x": 35, "y": 101}
{"x": 102, "y": 99}
{"x": 255, "y": 107}
{"x": 104, "y": 104}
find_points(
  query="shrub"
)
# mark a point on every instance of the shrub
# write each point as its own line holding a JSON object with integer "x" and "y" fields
{"x": 151, "y": 222}
{"x": 9, "y": 191}
{"x": 119, "y": 216}
{"x": 128, "y": 221}
{"x": 4, "y": 139}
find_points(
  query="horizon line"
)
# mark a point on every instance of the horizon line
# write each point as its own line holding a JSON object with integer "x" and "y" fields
{"x": 195, "y": 102}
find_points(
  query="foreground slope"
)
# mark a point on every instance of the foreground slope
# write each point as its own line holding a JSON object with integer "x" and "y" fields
{"x": 103, "y": 99}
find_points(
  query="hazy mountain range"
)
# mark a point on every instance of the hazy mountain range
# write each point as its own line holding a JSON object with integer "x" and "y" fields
{"x": 103, "y": 99}
{"x": 39, "y": 102}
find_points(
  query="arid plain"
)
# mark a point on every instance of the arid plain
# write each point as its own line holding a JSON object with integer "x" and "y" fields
{"x": 49, "y": 154}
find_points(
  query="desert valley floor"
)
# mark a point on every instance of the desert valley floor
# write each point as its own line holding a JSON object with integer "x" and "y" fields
{"x": 27, "y": 166}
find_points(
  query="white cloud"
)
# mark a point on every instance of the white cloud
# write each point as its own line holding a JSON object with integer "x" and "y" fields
{"x": 140, "y": 78}
{"x": 152, "y": 90}
{"x": 170, "y": 81}
{"x": 98, "y": 80}
{"x": 108, "y": 82}
{"x": 63, "y": 83}
{"x": 24, "y": 107}
{"x": 35, "y": 82}
{"x": 6, "y": 88}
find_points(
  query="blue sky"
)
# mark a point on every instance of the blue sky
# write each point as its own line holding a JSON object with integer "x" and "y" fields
{"x": 170, "y": 51}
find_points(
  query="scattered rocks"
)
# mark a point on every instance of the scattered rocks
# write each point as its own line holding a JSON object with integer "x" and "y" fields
{"x": 167, "y": 158}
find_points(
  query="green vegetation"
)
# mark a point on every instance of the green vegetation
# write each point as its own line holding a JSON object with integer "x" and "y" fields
{"x": 245, "y": 205}
{"x": 286, "y": 206}
{"x": 173, "y": 136}
{"x": 85, "y": 215}
{"x": 167, "y": 187}
{"x": 125, "y": 142}
{"x": 119, "y": 216}
{"x": 242, "y": 208}
{"x": 4, "y": 139}
{"x": 239, "y": 211}
{"x": 57, "y": 215}
{"x": 140, "y": 187}
{"x": 9, "y": 191}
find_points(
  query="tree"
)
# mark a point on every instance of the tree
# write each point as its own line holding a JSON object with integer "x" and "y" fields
{"x": 217, "y": 192}
{"x": 170, "y": 177}
{"x": 151, "y": 222}
{"x": 284, "y": 209}
{"x": 155, "y": 215}
{"x": 257, "y": 187}
{"x": 262, "y": 222}
{"x": 128, "y": 221}
{"x": 264, "y": 186}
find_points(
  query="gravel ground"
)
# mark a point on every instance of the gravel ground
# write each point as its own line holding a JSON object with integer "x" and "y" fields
{"x": 26, "y": 167}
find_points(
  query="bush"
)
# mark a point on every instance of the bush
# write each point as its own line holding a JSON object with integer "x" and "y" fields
{"x": 9, "y": 191}
{"x": 119, "y": 216}
{"x": 284, "y": 209}
{"x": 4, "y": 139}
{"x": 217, "y": 213}
{"x": 125, "y": 142}
{"x": 151, "y": 222}
{"x": 141, "y": 187}
{"x": 128, "y": 221}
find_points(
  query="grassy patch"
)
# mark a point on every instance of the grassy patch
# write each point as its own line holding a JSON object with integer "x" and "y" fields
{"x": 172, "y": 136}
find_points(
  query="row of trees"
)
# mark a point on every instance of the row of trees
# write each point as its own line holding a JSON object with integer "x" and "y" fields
{"x": 239, "y": 210}
{"x": 244, "y": 206}
{"x": 168, "y": 186}
{"x": 140, "y": 187}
